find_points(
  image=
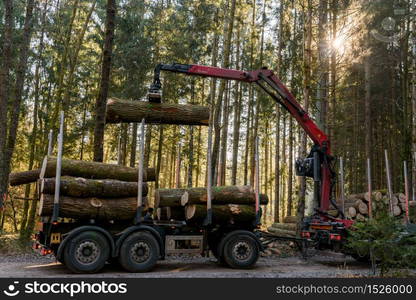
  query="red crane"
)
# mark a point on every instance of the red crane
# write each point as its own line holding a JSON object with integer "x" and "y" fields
{"x": 318, "y": 163}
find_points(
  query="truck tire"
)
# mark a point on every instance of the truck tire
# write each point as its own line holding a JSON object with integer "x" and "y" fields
{"x": 139, "y": 252}
{"x": 241, "y": 251}
{"x": 87, "y": 252}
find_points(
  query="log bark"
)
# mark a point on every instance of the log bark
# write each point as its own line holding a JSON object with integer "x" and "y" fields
{"x": 223, "y": 195}
{"x": 352, "y": 212}
{"x": 282, "y": 232}
{"x": 290, "y": 219}
{"x": 396, "y": 211}
{"x": 93, "y": 170}
{"x": 229, "y": 213}
{"x": 401, "y": 197}
{"x": 119, "y": 111}
{"x": 360, "y": 217}
{"x": 168, "y": 197}
{"x": 82, "y": 188}
{"x": 361, "y": 207}
{"x": 18, "y": 178}
{"x": 90, "y": 208}
{"x": 285, "y": 226}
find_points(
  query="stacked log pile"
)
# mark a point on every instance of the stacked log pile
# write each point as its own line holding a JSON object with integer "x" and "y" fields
{"x": 230, "y": 204}
{"x": 88, "y": 190}
{"x": 286, "y": 229}
{"x": 357, "y": 205}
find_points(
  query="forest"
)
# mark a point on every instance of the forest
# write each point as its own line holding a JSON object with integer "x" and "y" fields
{"x": 350, "y": 63}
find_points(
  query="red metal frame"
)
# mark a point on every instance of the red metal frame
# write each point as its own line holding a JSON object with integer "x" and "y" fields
{"x": 263, "y": 78}
{"x": 289, "y": 101}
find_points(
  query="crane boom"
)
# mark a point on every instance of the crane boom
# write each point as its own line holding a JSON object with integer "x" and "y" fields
{"x": 317, "y": 165}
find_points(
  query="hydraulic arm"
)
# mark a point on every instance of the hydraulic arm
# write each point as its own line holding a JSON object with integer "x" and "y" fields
{"x": 317, "y": 165}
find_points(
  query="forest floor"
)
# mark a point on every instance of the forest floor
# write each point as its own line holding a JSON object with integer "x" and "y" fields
{"x": 322, "y": 265}
{"x": 280, "y": 261}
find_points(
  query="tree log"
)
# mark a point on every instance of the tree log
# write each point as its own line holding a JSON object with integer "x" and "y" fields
{"x": 90, "y": 208}
{"x": 168, "y": 197}
{"x": 401, "y": 197}
{"x": 290, "y": 219}
{"x": 282, "y": 232}
{"x": 285, "y": 226}
{"x": 18, "y": 178}
{"x": 396, "y": 211}
{"x": 229, "y": 213}
{"x": 119, "y": 111}
{"x": 82, "y": 188}
{"x": 93, "y": 170}
{"x": 223, "y": 195}
{"x": 352, "y": 212}
{"x": 361, "y": 207}
{"x": 360, "y": 217}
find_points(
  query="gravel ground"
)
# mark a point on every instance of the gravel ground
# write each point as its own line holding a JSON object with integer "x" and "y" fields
{"x": 321, "y": 265}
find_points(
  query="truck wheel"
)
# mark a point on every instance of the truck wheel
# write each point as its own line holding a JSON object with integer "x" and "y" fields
{"x": 87, "y": 252}
{"x": 139, "y": 252}
{"x": 241, "y": 251}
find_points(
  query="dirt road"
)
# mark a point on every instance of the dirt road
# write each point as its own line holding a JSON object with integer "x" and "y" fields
{"x": 324, "y": 265}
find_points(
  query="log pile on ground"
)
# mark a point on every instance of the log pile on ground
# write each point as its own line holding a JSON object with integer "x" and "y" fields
{"x": 286, "y": 229}
{"x": 230, "y": 204}
{"x": 357, "y": 205}
{"x": 88, "y": 190}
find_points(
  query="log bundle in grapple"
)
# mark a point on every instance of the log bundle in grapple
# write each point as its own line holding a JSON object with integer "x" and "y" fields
{"x": 122, "y": 111}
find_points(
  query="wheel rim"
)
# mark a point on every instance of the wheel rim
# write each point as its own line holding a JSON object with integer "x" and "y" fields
{"x": 87, "y": 252}
{"x": 242, "y": 250}
{"x": 140, "y": 252}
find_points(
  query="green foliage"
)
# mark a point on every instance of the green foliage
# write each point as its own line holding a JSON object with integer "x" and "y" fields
{"x": 392, "y": 244}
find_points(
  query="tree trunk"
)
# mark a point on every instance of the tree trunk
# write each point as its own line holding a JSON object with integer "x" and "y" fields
{"x": 93, "y": 170}
{"x": 159, "y": 155}
{"x": 307, "y": 66}
{"x": 84, "y": 188}
{"x": 322, "y": 91}
{"x": 218, "y": 104}
{"x": 229, "y": 213}
{"x": 25, "y": 177}
{"x": 8, "y": 140}
{"x": 367, "y": 108}
{"x": 5, "y": 91}
{"x": 90, "y": 208}
{"x": 100, "y": 105}
{"x": 133, "y": 146}
{"x": 290, "y": 173}
{"x": 156, "y": 113}
{"x": 223, "y": 195}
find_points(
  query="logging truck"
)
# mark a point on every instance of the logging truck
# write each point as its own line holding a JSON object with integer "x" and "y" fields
{"x": 231, "y": 233}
